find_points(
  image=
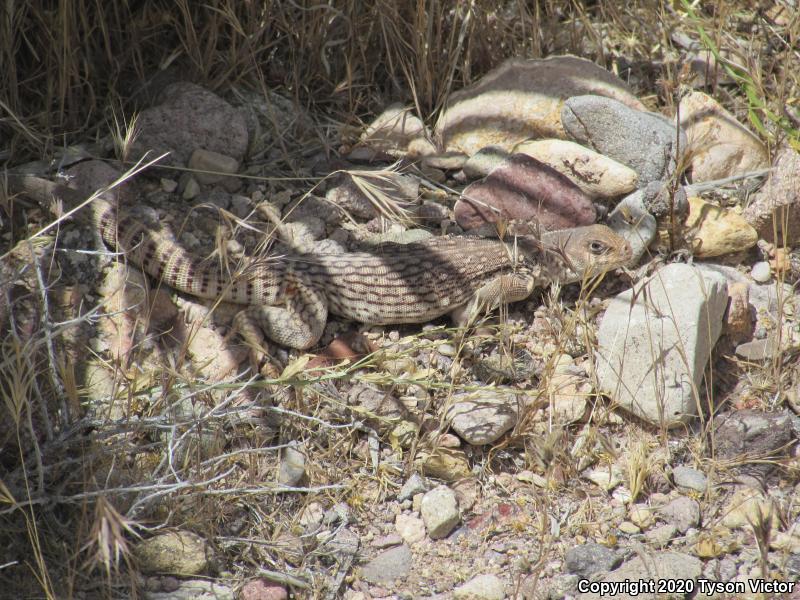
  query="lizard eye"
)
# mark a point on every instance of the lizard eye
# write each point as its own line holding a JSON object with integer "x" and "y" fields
{"x": 597, "y": 247}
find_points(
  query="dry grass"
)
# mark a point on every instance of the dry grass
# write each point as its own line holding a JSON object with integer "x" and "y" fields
{"x": 79, "y": 483}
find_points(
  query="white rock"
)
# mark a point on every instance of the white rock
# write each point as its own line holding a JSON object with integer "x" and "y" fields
{"x": 654, "y": 343}
{"x": 595, "y": 174}
{"x": 761, "y": 272}
{"x": 482, "y": 587}
{"x": 410, "y": 528}
{"x": 439, "y": 511}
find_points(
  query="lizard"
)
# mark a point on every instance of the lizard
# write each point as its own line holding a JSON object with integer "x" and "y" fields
{"x": 289, "y": 297}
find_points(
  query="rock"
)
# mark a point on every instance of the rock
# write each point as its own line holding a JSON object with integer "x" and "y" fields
{"x": 689, "y": 478}
{"x": 414, "y": 485}
{"x": 568, "y": 402}
{"x": 482, "y": 587}
{"x": 387, "y": 541}
{"x": 388, "y": 566}
{"x": 744, "y": 434}
{"x": 190, "y": 187}
{"x": 211, "y": 167}
{"x": 629, "y": 528}
{"x": 338, "y": 513}
{"x": 758, "y": 350}
{"x": 654, "y": 343}
{"x": 433, "y": 213}
{"x": 522, "y": 99}
{"x": 644, "y": 141}
{"x": 262, "y": 589}
{"x": 174, "y": 552}
{"x": 663, "y": 201}
{"x": 293, "y": 464}
{"x": 739, "y": 318}
{"x": 133, "y": 304}
{"x": 598, "y": 176}
{"x": 397, "y": 131}
{"x": 682, "y": 512}
{"x": 289, "y": 547}
{"x": 748, "y": 506}
{"x": 761, "y": 272}
{"x": 447, "y": 464}
{"x": 719, "y": 146}
{"x": 211, "y": 354}
{"x": 312, "y": 516}
{"x": 446, "y": 161}
{"x": 272, "y": 117}
{"x": 439, "y": 511}
{"x": 344, "y": 545}
{"x": 632, "y": 221}
{"x": 651, "y": 566}
{"x": 484, "y": 161}
{"x": 591, "y": 558}
{"x": 482, "y": 417}
{"x": 350, "y": 193}
{"x": 189, "y": 117}
{"x": 525, "y": 189}
{"x": 641, "y": 516}
{"x": 379, "y": 409}
{"x": 661, "y": 536}
{"x": 605, "y": 477}
{"x": 92, "y": 175}
{"x": 557, "y": 587}
{"x": 714, "y": 231}
{"x": 776, "y": 206}
{"x": 193, "y": 589}
{"x": 411, "y": 529}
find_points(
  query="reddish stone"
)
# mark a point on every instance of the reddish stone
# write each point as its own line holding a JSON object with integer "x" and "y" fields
{"x": 525, "y": 189}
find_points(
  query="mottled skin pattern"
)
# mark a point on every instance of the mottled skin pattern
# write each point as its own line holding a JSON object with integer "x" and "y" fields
{"x": 290, "y": 296}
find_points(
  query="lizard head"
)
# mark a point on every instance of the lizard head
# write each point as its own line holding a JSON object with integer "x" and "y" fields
{"x": 585, "y": 252}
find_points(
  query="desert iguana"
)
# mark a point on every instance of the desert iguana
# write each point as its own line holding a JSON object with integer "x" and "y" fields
{"x": 289, "y": 297}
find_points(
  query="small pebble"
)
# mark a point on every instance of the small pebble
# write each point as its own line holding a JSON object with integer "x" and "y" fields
{"x": 761, "y": 272}
{"x": 629, "y": 528}
{"x": 446, "y": 349}
{"x": 690, "y": 478}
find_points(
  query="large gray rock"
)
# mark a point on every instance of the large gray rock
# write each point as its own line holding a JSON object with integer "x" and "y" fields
{"x": 190, "y": 117}
{"x": 644, "y": 141}
{"x": 655, "y": 342}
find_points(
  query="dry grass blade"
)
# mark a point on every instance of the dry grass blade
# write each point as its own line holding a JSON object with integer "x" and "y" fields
{"x": 377, "y": 187}
{"x": 107, "y": 545}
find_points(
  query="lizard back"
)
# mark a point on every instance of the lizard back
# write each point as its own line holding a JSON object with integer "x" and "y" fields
{"x": 406, "y": 283}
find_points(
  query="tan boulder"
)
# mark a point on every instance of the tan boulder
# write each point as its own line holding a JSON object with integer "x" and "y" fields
{"x": 522, "y": 99}
{"x": 598, "y": 176}
{"x": 719, "y": 146}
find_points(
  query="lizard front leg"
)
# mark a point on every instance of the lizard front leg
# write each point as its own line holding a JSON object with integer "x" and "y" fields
{"x": 503, "y": 289}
